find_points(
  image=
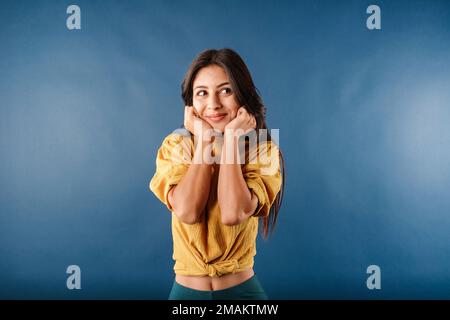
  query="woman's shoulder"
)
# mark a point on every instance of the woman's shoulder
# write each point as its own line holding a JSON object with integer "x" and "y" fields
{"x": 265, "y": 157}
{"x": 178, "y": 144}
{"x": 178, "y": 136}
{"x": 262, "y": 147}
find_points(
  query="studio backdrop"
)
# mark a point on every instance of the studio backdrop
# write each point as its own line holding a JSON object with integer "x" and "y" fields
{"x": 360, "y": 93}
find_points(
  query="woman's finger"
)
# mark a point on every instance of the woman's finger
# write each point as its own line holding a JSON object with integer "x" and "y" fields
{"x": 189, "y": 112}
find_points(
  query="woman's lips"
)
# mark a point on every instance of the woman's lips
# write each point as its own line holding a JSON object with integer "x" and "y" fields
{"x": 216, "y": 118}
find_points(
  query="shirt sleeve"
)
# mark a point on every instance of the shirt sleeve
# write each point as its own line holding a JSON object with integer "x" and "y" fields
{"x": 172, "y": 162}
{"x": 263, "y": 176}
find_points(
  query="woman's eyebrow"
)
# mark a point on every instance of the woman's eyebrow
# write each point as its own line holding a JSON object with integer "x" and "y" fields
{"x": 220, "y": 85}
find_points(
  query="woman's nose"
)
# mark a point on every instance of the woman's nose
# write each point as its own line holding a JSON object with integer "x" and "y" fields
{"x": 214, "y": 102}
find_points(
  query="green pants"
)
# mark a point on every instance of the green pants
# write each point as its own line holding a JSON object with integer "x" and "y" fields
{"x": 250, "y": 289}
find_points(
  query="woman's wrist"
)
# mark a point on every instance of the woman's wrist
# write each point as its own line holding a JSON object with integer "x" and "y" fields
{"x": 230, "y": 149}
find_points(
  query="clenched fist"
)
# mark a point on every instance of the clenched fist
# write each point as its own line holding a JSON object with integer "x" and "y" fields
{"x": 244, "y": 121}
{"x": 196, "y": 125}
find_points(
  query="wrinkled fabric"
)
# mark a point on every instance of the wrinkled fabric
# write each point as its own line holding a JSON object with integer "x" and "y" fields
{"x": 209, "y": 247}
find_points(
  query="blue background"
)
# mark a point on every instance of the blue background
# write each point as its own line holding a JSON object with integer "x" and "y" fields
{"x": 363, "y": 118}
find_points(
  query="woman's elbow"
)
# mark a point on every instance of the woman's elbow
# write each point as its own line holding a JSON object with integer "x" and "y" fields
{"x": 181, "y": 212}
{"x": 186, "y": 217}
{"x": 232, "y": 218}
{"x": 237, "y": 215}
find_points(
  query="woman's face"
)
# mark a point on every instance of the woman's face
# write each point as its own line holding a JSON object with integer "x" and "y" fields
{"x": 213, "y": 97}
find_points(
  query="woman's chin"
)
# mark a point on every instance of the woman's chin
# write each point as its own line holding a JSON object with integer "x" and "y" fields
{"x": 219, "y": 128}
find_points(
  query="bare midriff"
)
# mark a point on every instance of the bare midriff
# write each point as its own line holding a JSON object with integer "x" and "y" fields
{"x": 214, "y": 283}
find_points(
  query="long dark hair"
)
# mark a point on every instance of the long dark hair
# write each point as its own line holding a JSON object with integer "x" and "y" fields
{"x": 247, "y": 95}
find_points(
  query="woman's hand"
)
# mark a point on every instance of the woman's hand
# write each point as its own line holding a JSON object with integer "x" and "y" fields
{"x": 244, "y": 121}
{"x": 196, "y": 125}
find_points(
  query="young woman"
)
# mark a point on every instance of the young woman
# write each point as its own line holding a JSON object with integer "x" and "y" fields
{"x": 216, "y": 203}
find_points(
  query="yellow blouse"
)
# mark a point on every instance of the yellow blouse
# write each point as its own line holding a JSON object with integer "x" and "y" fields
{"x": 209, "y": 247}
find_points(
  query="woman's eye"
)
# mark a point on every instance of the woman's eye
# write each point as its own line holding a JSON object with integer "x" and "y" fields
{"x": 201, "y": 93}
{"x": 226, "y": 90}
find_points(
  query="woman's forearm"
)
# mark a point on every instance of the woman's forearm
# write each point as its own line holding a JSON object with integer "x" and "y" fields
{"x": 236, "y": 201}
{"x": 189, "y": 197}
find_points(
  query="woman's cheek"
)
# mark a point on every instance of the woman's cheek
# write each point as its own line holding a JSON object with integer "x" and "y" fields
{"x": 197, "y": 105}
{"x": 197, "y": 109}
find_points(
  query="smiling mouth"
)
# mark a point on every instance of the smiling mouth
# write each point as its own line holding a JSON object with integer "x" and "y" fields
{"x": 216, "y": 118}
